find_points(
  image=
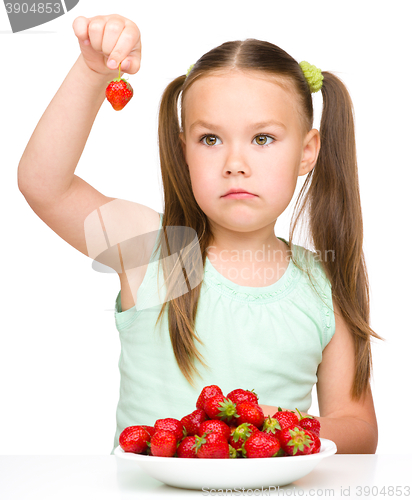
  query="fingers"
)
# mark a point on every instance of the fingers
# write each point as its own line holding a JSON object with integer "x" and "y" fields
{"x": 123, "y": 47}
{"x": 114, "y": 36}
{"x": 80, "y": 28}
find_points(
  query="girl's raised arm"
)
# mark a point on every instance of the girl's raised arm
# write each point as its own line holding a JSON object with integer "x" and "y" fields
{"x": 46, "y": 170}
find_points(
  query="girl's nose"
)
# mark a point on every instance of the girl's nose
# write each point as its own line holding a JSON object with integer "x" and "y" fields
{"x": 236, "y": 163}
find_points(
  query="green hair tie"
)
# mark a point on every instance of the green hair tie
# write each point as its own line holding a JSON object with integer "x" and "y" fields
{"x": 313, "y": 76}
{"x": 189, "y": 70}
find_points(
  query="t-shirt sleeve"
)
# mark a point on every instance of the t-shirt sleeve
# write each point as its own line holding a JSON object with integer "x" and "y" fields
{"x": 324, "y": 288}
{"x": 311, "y": 263}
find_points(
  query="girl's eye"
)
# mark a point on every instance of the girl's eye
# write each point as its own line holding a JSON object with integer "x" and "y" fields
{"x": 263, "y": 137}
{"x": 212, "y": 138}
{"x": 261, "y": 140}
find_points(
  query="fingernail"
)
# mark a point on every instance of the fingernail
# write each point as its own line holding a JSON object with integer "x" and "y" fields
{"x": 125, "y": 65}
{"x": 112, "y": 64}
{"x": 86, "y": 42}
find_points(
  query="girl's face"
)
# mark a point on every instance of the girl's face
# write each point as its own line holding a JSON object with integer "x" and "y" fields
{"x": 244, "y": 131}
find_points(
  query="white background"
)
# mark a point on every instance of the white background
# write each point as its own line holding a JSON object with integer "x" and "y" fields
{"x": 59, "y": 346}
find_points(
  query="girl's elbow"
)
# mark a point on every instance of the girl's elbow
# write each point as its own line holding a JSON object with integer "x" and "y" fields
{"x": 372, "y": 442}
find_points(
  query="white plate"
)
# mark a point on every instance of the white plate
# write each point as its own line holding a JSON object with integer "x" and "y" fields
{"x": 198, "y": 473}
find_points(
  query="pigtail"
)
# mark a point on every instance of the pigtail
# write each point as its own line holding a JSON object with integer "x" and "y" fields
{"x": 180, "y": 209}
{"x": 335, "y": 220}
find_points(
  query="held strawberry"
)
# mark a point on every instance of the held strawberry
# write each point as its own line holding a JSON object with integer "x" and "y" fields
{"x": 119, "y": 92}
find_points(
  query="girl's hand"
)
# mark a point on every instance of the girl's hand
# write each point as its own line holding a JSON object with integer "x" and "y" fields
{"x": 106, "y": 38}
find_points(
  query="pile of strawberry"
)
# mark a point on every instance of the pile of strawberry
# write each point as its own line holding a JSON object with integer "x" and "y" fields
{"x": 225, "y": 427}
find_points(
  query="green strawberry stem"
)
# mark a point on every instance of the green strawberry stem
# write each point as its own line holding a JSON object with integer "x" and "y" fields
{"x": 271, "y": 425}
{"x": 241, "y": 431}
{"x": 253, "y": 392}
{"x": 227, "y": 410}
{"x": 299, "y": 440}
{"x": 119, "y": 78}
{"x": 199, "y": 441}
{"x": 301, "y": 416}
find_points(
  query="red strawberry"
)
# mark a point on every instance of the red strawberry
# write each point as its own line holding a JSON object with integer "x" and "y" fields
{"x": 275, "y": 437}
{"x": 296, "y": 441}
{"x": 214, "y": 426}
{"x": 192, "y": 421}
{"x": 271, "y": 426}
{"x": 286, "y": 418}
{"x": 232, "y": 427}
{"x": 260, "y": 445}
{"x": 250, "y": 413}
{"x": 163, "y": 444}
{"x": 315, "y": 448}
{"x": 134, "y": 439}
{"x": 240, "y": 434}
{"x": 119, "y": 92}
{"x": 187, "y": 447}
{"x": 240, "y": 395}
{"x": 309, "y": 423}
{"x": 212, "y": 445}
{"x": 218, "y": 407}
{"x": 170, "y": 424}
{"x": 150, "y": 430}
{"x": 207, "y": 392}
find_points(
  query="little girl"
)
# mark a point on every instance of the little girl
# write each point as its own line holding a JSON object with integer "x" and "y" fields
{"x": 209, "y": 295}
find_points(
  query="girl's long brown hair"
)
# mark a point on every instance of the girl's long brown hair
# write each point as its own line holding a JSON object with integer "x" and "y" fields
{"x": 329, "y": 197}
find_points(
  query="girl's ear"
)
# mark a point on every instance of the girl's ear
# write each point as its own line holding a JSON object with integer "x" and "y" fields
{"x": 311, "y": 147}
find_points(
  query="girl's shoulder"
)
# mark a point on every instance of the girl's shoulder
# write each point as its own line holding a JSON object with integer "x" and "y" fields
{"x": 312, "y": 263}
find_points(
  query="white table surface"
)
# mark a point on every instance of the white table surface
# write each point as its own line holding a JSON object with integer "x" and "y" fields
{"x": 26, "y": 477}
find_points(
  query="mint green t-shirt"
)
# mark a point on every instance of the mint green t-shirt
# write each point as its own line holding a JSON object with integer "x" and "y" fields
{"x": 269, "y": 339}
